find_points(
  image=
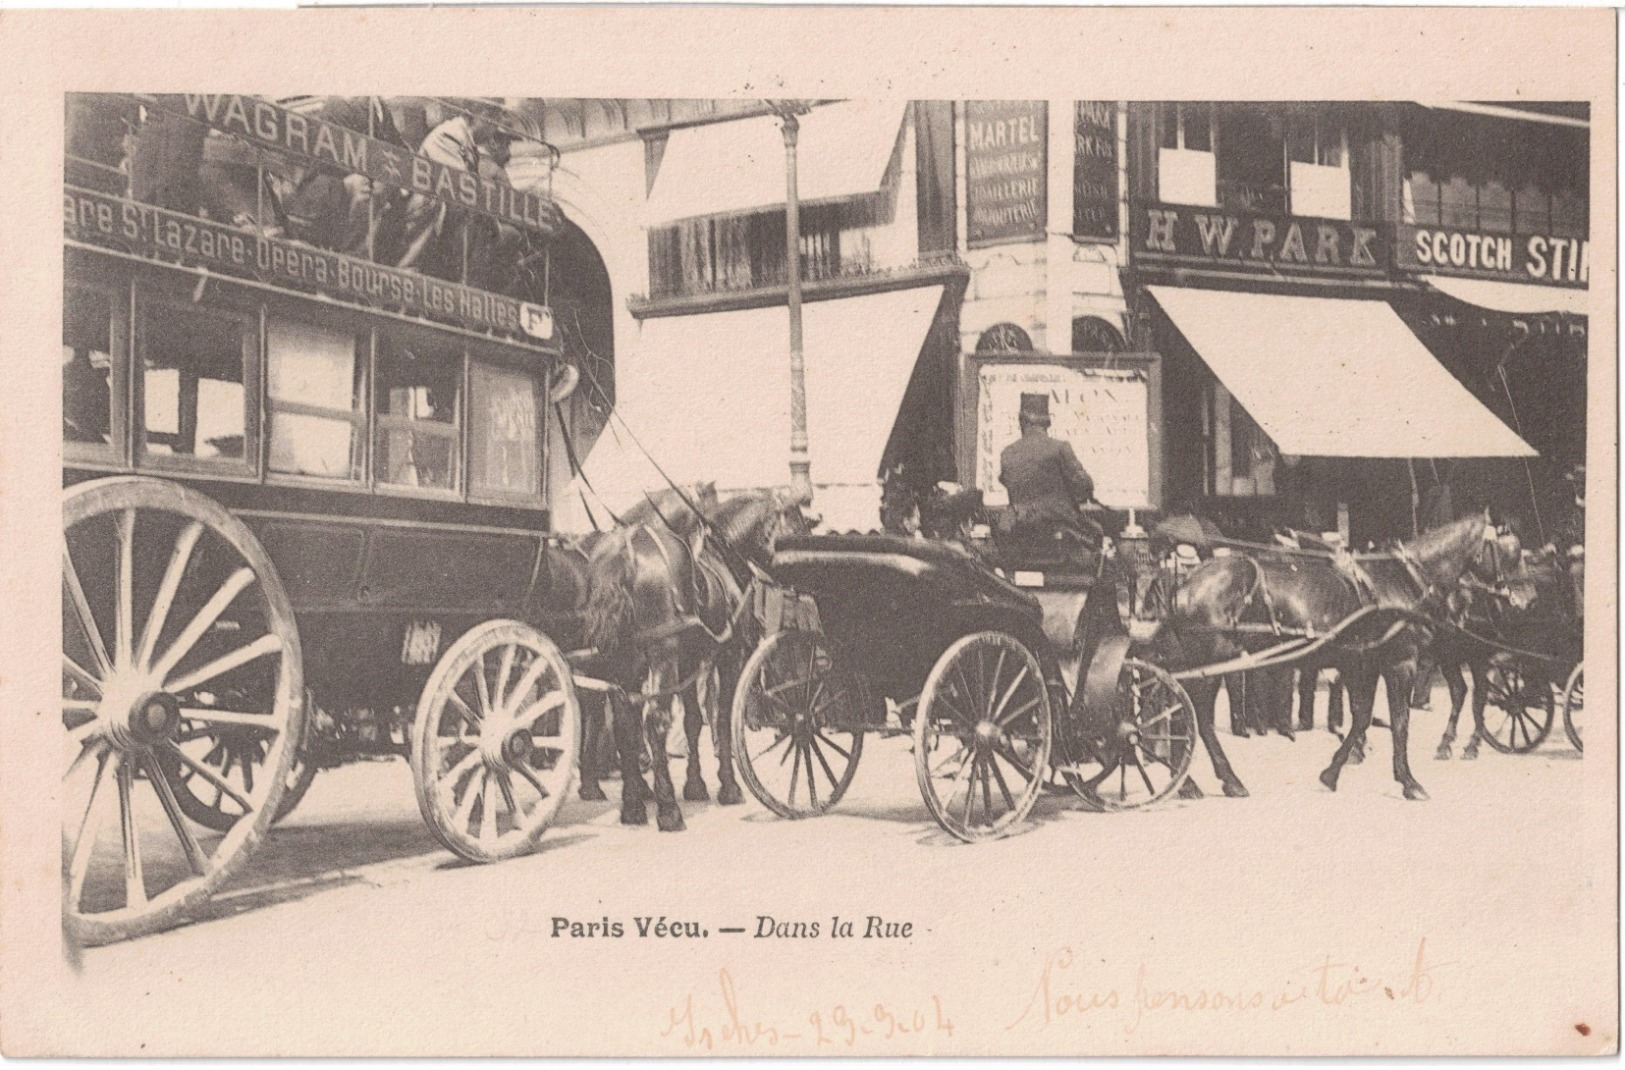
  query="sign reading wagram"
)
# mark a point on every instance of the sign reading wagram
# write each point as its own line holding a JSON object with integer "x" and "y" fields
{"x": 1102, "y": 412}
{"x": 103, "y": 220}
{"x": 1006, "y": 170}
{"x": 274, "y": 127}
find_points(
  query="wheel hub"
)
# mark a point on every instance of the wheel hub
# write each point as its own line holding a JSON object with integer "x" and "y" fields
{"x": 516, "y": 748}
{"x": 140, "y": 720}
{"x": 987, "y": 733}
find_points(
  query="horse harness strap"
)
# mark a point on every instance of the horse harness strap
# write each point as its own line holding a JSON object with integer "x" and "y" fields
{"x": 1260, "y": 589}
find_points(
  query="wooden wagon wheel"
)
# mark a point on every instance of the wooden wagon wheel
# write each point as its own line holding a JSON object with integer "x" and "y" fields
{"x": 236, "y": 757}
{"x": 1574, "y": 699}
{"x": 174, "y": 623}
{"x": 1141, "y": 747}
{"x": 1522, "y": 705}
{"x": 495, "y": 741}
{"x": 982, "y": 736}
{"x": 795, "y": 709}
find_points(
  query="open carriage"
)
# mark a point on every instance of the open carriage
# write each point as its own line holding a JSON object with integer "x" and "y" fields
{"x": 888, "y": 635}
{"x": 304, "y": 523}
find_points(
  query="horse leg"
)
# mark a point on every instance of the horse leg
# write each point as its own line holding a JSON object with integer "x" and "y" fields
{"x": 591, "y": 740}
{"x": 1400, "y": 679}
{"x": 656, "y": 726}
{"x": 1235, "y": 689}
{"x": 1231, "y": 783}
{"x": 1481, "y": 695}
{"x": 1450, "y": 669}
{"x": 627, "y": 720}
{"x": 1203, "y": 694}
{"x": 1361, "y": 685}
{"x": 1421, "y": 696}
{"x": 1307, "y": 679}
{"x": 694, "y": 789}
{"x": 1280, "y": 699}
{"x": 728, "y": 669}
{"x": 1336, "y": 692}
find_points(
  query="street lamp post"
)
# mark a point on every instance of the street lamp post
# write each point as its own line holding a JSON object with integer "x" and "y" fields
{"x": 788, "y": 112}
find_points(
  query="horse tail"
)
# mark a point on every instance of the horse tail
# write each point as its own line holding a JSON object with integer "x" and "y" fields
{"x": 609, "y": 612}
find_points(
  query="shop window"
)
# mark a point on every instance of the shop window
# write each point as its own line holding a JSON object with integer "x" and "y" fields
{"x": 419, "y": 391}
{"x": 87, "y": 369}
{"x": 194, "y": 364}
{"x": 505, "y": 433}
{"x": 1532, "y": 211}
{"x": 1319, "y": 171}
{"x": 727, "y": 254}
{"x": 1251, "y": 160}
{"x": 1243, "y": 456}
{"x": 1185, "y": 162}
{"x": 1458, "y": 203}
{"x": 1494, "y": 207}
{"x": 317, "y": 379}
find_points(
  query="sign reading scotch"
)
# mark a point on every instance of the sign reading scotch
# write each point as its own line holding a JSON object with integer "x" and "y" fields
{"x": 1103, "y": 412}
{"x": 1006, "y": 170}
{"x": 1533, "y": 258}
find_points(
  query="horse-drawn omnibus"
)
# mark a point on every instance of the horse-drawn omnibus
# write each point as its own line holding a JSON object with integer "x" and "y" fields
{"x": 294, "y": 478}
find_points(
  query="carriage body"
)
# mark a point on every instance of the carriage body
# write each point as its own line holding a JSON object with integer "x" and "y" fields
{"x": 297, "y": 483}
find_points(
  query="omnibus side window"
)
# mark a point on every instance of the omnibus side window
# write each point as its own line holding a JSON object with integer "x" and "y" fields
{"x": 87, "y": 366}
{"x": 505, "y": 446}
{"x": 419, "y": 383}
{"x": 317, "y": 379}
{"x": 193, "y": 366}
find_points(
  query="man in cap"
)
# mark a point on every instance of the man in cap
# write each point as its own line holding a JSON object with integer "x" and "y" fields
{"x": 1045, "y": 480}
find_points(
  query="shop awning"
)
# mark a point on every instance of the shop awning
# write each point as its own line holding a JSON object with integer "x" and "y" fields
{"x": 1510, "y": 296}
{"x": 843, "y": 150}
{"x": 708, "y": 398}
{"x": 1335, "y": 378}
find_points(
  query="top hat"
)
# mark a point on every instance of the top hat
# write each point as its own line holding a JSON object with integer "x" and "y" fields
{"x": 1035, "y": 408}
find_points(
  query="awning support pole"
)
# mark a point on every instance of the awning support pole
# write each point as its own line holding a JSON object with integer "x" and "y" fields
{"x": 800, "y": 461}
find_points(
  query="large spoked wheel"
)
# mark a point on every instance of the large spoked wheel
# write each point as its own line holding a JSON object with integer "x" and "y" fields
{"x": 1518, "y": 710}
{"x": 235, "y": 757}
{"x": 795, "y": 710}
{"x": 175, "y": 628}
{"x": 1574, "y": 701}
{"x": 982, "y": 736}
{"x": 496, "y": 741}
{"x": 1140, "y": 750}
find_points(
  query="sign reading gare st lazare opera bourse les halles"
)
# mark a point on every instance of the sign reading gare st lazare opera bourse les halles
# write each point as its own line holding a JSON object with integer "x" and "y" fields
{"x": 1006, "y": 162}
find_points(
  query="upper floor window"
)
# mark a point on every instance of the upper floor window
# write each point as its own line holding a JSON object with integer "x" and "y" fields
{"x": 1185, "y": 163}
{"x": 419, "y": 399}
{"x": 1253, "y": 158}
{"x": 726, "y": 254}
{"x": 194, "y": 366}
{"x": 1488, "y": 204}
{"x": 317, "y": 380}
{"x": 1318, "y": 168}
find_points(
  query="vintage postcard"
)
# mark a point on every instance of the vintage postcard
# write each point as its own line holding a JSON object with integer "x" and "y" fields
{"x": 1055, "y": 532}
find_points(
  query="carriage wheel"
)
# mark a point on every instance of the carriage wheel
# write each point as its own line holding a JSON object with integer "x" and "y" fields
{"x": 496, "y": 741}
{"x": 1518, "y": 711}
{"x": 794, "y": 709}
{"x": 1574, "y": 700}
{"x": 1142, "y": 747}
{"x": 982, "y": 736}
{"x": 235, "y": 758}
{"x": 300, "y": 778}
{"x": 174, "y": 625}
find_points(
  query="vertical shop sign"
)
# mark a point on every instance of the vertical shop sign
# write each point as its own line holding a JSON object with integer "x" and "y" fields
{"x": 1006, "y": 168}
{"x": 1094, "y": 170}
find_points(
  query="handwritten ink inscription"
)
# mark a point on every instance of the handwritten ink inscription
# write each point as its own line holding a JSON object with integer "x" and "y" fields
{"x": 721, "y": 1020}
{"x": 1066, "y": 991}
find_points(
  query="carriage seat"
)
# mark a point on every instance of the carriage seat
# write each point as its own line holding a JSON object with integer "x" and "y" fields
{"x": 1044, "y": 545}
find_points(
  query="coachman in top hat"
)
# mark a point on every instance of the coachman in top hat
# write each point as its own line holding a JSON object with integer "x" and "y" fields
{"x": 1047, "y": 484}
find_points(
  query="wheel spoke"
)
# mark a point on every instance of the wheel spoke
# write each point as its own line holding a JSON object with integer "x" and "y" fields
{"x": 177, "y": 820}
{"x": 533, "y": 673}
{"x": 842, "y": 751}
{"x": 987, "y": 788}
{"x": 124, "y": 586}
{"x": 1009, "y": 753}
{"x": 1004, "y": 788}
{"x": 504, "y": 670}
{"x": 201, "y": 623}
{"x": 506, "y": 786}
{"x": 1163, "y": 716}
{"x": 795, "y": 771}
{"x": 525, "y": 771}
{"x": 1149, "y": 787}
{"x": 261, "y": 721}
{"x": 81, "y": 608}
{"x": 85, "y": 842}
{"x": 959, "y": 715}
{"x": 532, "y": 713}
{"x": 970, "y": 788}
{"x": 482, "y": 690}
{"x": 1019, "y": 711}
{"x": 1011, "y": 690}
{"x": 135, "y": 884}
{"x": 465, "y": 806}
{"x": 226, "y": 790}
{"x": 998, "y": 671}
{"x": 812, "y": 742}
{"x": 812, "y": 781}
{"x": 81, "y": 674}
{"x": 469, "y": 716}
{"x": 465, "y": 765}
{"x": 164, "y": 600}
{"x": 765, "y": 750}
{"x": 259, "y": 648}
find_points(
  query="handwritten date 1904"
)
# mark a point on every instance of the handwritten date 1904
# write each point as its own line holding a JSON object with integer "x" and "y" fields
{"x": 830, "y": 1027}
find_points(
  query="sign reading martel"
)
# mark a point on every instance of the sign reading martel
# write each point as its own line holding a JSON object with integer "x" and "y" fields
{"x": 1182, "y": 236}
{"x": 1006, "y": 168}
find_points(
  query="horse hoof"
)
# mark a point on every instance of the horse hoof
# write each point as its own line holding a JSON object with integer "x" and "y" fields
{"x": 591, "y": 792}
{"x": 1356, "y": 756}
{"x": 695, "y": 791}
{"x": 1415, "y": 793}
{"x": 1189, "y": 790}
{"x": 670, "y": 819}
{"x": 636, "y": 814}
{"x": 1470, "y": 754}
{"x": 1234, "y": 790}
{"x": 1329, "y": 778}
{"x": 729, "y": 795}
{"x": 1443, "y": 753}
